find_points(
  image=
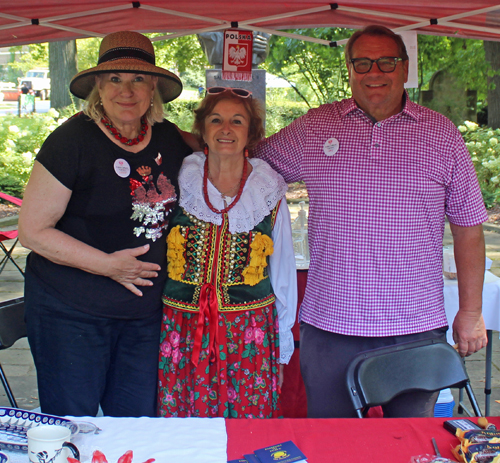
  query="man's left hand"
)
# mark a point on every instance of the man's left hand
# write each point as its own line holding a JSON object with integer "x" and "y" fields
{"x": 469, "y": 332}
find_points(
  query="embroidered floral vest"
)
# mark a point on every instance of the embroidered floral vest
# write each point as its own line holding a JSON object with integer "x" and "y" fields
{"x": 201, "y": 253}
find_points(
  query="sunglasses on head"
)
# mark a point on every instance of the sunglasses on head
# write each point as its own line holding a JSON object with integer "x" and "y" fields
{"x": 241, "y": 92}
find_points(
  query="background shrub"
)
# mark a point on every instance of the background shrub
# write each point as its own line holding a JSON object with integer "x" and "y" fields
{"x": 180, "y": 112}
{"x": 20, "y": 140}
{"x": 484, "y": 148}
{"x": 281, "y": 115}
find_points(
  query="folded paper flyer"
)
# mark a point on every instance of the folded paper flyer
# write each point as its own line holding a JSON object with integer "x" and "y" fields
{"x": 285, "y": 452}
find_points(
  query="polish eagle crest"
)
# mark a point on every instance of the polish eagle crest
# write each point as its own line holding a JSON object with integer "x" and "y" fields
{"x": 238, "y": 55}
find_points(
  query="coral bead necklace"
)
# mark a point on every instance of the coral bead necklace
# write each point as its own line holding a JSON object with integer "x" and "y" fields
{"x": 126, "y": 141}
{"x": 236, "y": 199}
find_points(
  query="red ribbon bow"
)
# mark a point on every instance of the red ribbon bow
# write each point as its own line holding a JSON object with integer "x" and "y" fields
{"x": 208, "y": 308}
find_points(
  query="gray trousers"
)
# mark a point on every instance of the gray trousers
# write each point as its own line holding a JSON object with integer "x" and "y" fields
{"x": 324, "y": 358}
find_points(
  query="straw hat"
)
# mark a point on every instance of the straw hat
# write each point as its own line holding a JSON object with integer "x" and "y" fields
{"x": 127, "y": 51}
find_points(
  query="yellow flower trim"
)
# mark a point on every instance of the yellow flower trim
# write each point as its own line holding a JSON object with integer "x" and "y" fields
{"x": 175, "y": 254}
{"x": 262, "y": 246}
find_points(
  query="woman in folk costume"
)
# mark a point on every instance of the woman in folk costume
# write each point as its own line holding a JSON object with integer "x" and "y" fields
{"x": 231, "y": 293}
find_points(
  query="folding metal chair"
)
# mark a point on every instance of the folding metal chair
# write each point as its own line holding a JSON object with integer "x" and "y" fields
{"x": 12, "y": 328}
{"x": 375, "y": 377}
{"x": 9, "y": 235}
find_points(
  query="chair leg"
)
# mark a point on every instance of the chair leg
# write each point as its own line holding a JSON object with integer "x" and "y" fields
{"x": 7, "y": 388}
{"x": 473, "y": 400}
{"x": 8, "y": 257}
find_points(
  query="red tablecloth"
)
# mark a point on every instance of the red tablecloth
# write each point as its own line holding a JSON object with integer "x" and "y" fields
{"x": 375, "y": 440}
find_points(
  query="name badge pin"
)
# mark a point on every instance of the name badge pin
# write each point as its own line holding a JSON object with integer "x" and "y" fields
{"x": 122, "y": 168}
{"x": 331, "y": 146}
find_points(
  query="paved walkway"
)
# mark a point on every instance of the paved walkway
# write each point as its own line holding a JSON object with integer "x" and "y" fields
{"x": 18, "y": 363}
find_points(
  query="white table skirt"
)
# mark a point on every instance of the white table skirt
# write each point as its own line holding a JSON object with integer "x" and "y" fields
{"x": 491, "y": 303}
{"x": 176, "y": 440}
{"x": 179, "y": 440}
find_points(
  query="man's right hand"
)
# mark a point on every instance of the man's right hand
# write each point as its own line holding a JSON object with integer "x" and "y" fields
{"x": 469, "y": 333}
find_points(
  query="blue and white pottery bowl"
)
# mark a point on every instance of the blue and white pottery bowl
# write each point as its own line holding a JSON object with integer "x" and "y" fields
{"x": 14, "y": 424}
{"x": 4, "y": 458}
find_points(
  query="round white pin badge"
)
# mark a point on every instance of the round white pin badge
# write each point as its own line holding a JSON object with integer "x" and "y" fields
{"x": 331, "y": 146}
{"x": 122, "y": 168}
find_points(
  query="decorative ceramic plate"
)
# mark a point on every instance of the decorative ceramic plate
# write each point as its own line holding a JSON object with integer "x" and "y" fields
{"x": 14, "y": 424}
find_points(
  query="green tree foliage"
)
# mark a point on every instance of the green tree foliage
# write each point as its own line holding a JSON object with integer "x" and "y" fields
{"x": 318, "y": 72}
{"x": 33, "y": 56}
{"x": 180, "y": 54}
{"x": 87, "y": 52}
{"x": 463, "y": 58}
{"x": 184, "y": 57}
{"x": 7, "y": 72}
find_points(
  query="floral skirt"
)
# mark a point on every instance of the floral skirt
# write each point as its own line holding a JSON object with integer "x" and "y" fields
{"x": 239, "y": 381}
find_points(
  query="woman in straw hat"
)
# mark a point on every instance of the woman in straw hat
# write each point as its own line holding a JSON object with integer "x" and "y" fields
{"x": 94, "y": 215}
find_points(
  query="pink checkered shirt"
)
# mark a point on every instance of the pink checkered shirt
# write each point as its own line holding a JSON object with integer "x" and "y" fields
{"x": 377, "y": 213}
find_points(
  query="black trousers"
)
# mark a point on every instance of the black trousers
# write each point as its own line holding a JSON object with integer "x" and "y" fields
{"x": 84, "y": 361}
{"x": 324, "y": 358}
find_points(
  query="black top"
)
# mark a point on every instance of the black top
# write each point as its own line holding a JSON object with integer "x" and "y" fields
{"x": 119, "y": 200}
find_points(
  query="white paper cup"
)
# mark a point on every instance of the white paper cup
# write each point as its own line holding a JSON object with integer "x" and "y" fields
{"x": 50, "y": 444}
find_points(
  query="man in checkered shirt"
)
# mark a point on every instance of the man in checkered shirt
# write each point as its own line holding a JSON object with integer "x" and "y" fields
{"x": 382, "y": 173}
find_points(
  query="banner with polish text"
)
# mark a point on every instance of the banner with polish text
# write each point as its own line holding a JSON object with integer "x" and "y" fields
{"x": 237, "y": 58}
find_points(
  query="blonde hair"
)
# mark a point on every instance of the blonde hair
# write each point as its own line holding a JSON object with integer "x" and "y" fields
{"x": 94, "y": 109}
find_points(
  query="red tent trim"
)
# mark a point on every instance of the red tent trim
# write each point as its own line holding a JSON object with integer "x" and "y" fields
{"x": 32, "y": 21}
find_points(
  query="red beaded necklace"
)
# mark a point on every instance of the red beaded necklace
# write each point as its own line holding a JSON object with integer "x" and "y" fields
{"x": 126, "y": 141}
{"x": 238, "y": 196}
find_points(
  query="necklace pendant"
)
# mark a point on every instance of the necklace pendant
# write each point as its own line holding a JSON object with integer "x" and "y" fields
{"x": 225, "y": 200}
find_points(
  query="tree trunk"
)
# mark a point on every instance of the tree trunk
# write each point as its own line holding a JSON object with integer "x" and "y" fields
{"x": 492, "y": 54}
{"x": 62, "y": 66}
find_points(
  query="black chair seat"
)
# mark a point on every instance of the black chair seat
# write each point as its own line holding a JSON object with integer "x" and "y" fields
{"x": 376, "y": 376}
{"x": 12, "y": 328}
